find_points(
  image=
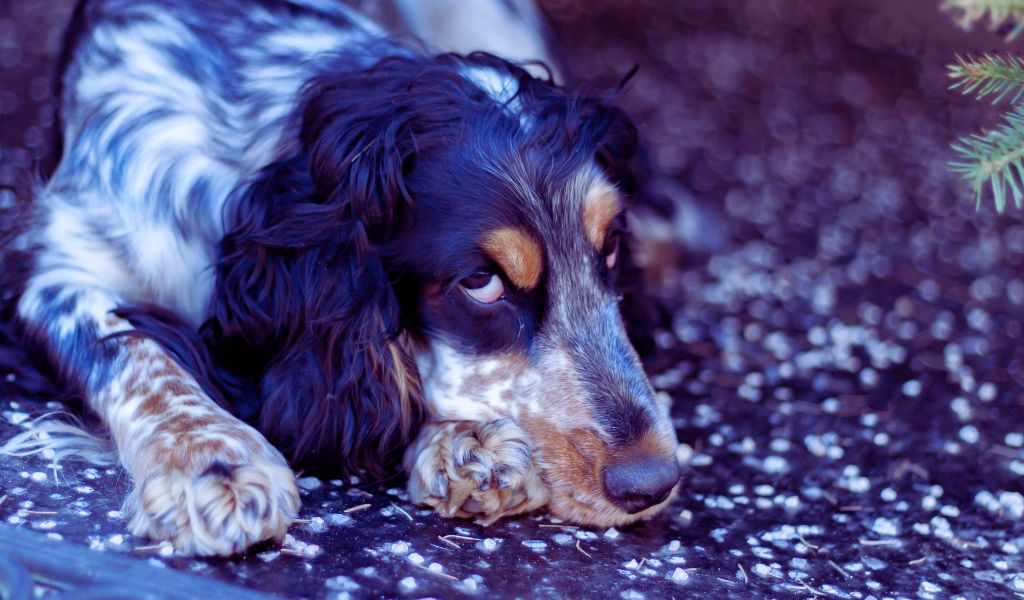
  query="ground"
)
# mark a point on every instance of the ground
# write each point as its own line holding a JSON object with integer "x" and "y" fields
{"x": 843, "y": 346}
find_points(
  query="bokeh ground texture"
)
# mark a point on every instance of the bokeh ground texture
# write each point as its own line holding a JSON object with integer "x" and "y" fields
{"x": 846, "y": 364}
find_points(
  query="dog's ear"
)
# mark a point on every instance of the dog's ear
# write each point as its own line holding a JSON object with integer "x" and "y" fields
{"x": 299, "y": 279}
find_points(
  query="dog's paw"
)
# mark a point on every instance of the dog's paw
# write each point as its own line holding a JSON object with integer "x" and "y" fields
{"x": 220, "y": 511}
{"x": 484, "y": 470}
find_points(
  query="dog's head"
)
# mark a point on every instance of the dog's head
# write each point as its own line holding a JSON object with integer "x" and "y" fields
{"x": 448, "y": 235}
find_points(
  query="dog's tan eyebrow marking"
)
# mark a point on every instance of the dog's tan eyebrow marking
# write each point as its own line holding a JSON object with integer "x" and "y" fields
{"x": 517, "y": 253}
{"x": 600, "y": 206}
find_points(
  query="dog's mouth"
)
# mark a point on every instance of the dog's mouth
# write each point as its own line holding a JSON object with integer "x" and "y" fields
{"x": 597, "y": 511}
{"x": 574, "y": 467}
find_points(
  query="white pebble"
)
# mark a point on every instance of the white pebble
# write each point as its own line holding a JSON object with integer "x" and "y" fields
{"x": 684, "y": 454}
{"x": 883, "y": 526}
{"x": 775, "y": 464}
{"x": 612, "y": 533}
{"x": 407, "y": 583}
{"x": 680, "y": 576}
{"x": 969, "y": 434}
{"x": 341, "y": 583}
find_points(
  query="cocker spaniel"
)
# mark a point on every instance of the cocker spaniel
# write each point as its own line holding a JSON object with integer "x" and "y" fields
{"x": 279, "y": 236}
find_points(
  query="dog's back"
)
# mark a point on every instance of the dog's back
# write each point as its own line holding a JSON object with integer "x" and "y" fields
{"x": 166, "y": 108}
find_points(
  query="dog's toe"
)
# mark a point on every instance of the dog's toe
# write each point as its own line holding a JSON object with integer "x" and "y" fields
{"x": 221, "y": 511}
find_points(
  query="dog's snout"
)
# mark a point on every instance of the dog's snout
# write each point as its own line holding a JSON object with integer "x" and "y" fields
{"x": 639, "y": 483}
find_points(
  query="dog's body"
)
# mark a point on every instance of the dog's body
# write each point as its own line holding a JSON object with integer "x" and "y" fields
{"x": 371, "y": 235}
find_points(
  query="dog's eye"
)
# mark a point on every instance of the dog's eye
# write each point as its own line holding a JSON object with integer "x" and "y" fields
{"x": 484, "y": 287}
{"x": 611, "y": 251}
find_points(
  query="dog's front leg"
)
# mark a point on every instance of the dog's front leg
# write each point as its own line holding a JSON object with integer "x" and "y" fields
{"x": 469, "y": 469}
{"x": 202, "y": 479}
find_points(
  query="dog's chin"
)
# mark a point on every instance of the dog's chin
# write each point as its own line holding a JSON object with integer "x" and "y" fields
{"x": 596, "y": 511}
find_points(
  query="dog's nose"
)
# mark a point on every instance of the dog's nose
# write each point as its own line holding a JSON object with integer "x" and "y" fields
{"x": 641, "y": 482}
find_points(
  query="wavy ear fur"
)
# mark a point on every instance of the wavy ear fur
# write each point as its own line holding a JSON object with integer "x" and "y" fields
{"x": 300, "y": 283}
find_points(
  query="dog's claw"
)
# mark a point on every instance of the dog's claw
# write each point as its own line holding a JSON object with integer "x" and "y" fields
{"x": 487, "y": 467}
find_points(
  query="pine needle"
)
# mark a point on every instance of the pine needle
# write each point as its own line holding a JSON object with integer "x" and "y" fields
{"x": 995, "y": 159}
{"x": 998, "y": 13}
{"x": 989, "y": 75}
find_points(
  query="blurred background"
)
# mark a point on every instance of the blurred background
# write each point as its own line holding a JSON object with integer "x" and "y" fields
{"x": 839, "y": 327}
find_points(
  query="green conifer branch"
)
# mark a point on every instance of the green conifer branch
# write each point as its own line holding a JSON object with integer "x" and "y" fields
{"x": 993, "y": 159}
{"x": 989, "y": 75}
{"x": 998, "y": 12}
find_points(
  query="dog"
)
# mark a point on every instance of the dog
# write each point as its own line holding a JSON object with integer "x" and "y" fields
{"x": 279, "y": 237}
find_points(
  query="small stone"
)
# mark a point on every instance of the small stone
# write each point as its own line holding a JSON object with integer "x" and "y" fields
{"x": 883, "y": 526}
{"x": 407, "y": 584}
{"x": 536, "y": 545}
{"x": 563, "y": 539}
{"x": 612, "y": 533}
{"x": 308, "y": 483}
{"x": 969, "y": 434}
{"x": 775, "y": 464}
{"x": 341, "y": 583}
{"x": 684, "y": 453}
{"x": 680, "y": 576}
